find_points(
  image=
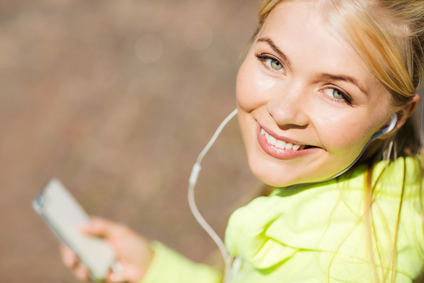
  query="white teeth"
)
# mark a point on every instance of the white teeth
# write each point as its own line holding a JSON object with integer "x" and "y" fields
{"x": 271, "y": 139}
{"x": 280, "y": 144}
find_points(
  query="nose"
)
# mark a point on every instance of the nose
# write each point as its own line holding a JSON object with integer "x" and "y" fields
{"x": 289, "y": 108}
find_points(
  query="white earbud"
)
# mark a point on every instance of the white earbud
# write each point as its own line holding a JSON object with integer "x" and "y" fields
{"x": 387, "y": 129}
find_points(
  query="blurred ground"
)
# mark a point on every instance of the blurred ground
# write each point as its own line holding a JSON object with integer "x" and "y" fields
{"x": 116, "y": 99}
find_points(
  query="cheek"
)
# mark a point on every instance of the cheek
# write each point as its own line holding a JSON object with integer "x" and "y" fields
{"x": 354, "y": 127}
{"x": 245, "y": 89}
{"x": 346, "y": 134}
{"x": 253, "y": 87}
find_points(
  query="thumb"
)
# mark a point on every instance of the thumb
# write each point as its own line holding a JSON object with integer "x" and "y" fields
{"x": 99, "y": 227}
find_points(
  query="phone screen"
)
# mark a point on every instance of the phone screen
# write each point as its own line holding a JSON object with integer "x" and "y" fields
{"x": 63, "y": 214}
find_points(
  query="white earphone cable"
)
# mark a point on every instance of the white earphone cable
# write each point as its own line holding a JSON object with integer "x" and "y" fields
{"x": 191, "y": 201}
{"x": 195, "y": 174}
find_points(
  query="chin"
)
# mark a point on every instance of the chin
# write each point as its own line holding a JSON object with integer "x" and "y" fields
{"x": 278, "y": 174}
{"x": 272, "y": 174}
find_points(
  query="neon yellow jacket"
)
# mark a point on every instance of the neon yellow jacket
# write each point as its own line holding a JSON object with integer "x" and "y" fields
{"x": 319, "y": 233}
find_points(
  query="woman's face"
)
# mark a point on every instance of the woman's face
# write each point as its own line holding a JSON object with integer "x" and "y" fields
{"x": 307, "y": 102}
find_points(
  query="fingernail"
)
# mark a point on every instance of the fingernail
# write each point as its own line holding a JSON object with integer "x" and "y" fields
{"x": 117, "y": 267}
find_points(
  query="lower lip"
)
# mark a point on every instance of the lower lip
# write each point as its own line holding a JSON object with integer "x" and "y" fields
{"x": 278, "y": 152}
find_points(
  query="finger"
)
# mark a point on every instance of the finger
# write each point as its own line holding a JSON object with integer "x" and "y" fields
{"x": 97, "y": 226}
{"x": 81, "y": 273}
{"x": 101, "y": 227}
{"x": 69, "y": 258}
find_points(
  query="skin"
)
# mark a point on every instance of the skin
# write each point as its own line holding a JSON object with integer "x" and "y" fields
{"x": 304, "y": 100}
{"x": 297, "y": 94}
{"x": 132, "y": 251}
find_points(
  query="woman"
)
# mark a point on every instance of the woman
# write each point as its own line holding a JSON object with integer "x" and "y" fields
{"x": 320, "y": 82}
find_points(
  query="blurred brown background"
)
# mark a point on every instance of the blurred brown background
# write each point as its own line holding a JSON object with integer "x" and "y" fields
{"x": 116, "y": 98}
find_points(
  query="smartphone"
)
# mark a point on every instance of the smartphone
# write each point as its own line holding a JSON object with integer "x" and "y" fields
{"x": 63, "y": 214}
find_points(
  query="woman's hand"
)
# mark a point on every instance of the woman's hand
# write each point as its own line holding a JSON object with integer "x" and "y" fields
{"x": 132, "y": 251}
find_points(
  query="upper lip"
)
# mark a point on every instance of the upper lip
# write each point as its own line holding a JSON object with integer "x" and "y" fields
{"x": 279, "y": 137}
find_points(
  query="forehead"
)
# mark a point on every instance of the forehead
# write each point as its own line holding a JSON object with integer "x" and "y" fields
{"x": 302, "y": 30}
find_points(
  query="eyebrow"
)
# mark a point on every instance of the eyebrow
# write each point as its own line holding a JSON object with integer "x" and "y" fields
{"x": 344, "y": 78}
{"x": 322, "y": 76}
{"x": 275, "y": 48}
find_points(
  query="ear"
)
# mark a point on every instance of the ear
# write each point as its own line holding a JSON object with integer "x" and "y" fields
{"x": 407, "y": 110}
{"x": 403, "y": 114}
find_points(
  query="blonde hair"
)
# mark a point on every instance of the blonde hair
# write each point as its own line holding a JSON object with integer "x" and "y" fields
{"x": 389, "y": 37}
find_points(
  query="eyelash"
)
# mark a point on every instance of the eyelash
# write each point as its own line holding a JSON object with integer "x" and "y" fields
{"x": 264, "y": 58}
{"x": 346, "y": 98}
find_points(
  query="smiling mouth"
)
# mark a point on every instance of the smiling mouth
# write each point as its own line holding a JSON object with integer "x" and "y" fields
{"x": 282, "y": 144}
